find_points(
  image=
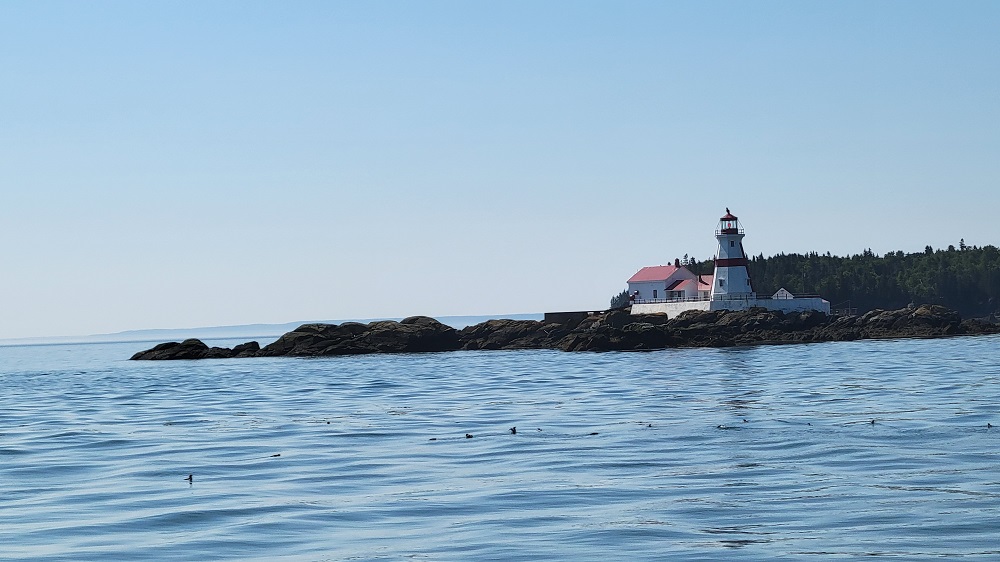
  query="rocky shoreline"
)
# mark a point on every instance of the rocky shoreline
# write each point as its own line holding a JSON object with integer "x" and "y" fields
{"x": 607, "y": 331}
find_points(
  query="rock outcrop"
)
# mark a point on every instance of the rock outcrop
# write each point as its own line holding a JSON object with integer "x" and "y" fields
{"x": 610, "y": 331}
{"x": 413, "y": 334}
{"x": 187, "y": 349}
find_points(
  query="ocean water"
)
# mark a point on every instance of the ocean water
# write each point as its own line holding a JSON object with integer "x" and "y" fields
{"x": 762, "y": 453}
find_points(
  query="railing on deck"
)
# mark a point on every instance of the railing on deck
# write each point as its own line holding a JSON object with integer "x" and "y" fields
{"x": 675, "y": 299}
{"x": 843, "y": 309}
{"x": 735, "y": 297}
{"x": 738, "y": 297}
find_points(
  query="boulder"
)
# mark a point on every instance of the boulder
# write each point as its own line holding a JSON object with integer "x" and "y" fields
{"x": 414, "y": 334}
{"x": 513, "y": 334}
{"x": 248, "y": 349}
{"x": 921, "y": 321}
{"x": 187, "y": 349}
{"x": 307, "y": 339}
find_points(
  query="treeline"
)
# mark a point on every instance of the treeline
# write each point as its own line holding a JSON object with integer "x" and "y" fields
{"x": 965, "y": 279}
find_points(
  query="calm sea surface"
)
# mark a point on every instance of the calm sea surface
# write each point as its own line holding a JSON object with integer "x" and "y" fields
{"x": 701, "y": 454}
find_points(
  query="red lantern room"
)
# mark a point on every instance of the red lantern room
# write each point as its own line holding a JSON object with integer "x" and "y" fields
{"x": 729, "y": 224}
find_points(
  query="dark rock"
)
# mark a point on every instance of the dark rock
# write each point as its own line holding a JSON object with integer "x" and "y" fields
{"x": 513, "y": 334}
{"x": 597, "y": 341}
{"x": 978, "y": 327}
{"x": 187, "y": 349}
{"x": 654, "y": 319}
{"x": 618, "y": 319}
{"x": 920, "y": 321}
{"x": 248, "y": 349}
{"x": 642, "y": 335}
{"x": 414, "y": 334}
{"x": 299, "y": 341}
{"x": 217, "y": 353}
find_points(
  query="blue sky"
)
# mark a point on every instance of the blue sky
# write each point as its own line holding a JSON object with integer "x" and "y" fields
{"x": 180, "y": 164}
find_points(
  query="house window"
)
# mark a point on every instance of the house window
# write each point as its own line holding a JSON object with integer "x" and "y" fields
{"x": 654, "y": 293}
{"x": 732, "y": 243}
{"x": 748, "y": 282}
{"x": 722, "y": 282}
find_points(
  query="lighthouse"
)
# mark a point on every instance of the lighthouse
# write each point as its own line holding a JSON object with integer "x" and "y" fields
{"x": 670, "y": 290}
{"x": 732, "y": 278}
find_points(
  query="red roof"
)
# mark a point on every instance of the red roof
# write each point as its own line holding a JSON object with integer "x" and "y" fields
{"x": 653, "y": 273}
{"x": 728, "y": 216}
{"x": 705, "y": 282}
{"x": 683, "y": 285}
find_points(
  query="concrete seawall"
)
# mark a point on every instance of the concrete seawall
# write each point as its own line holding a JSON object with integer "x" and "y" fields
{"x": 672, "y": 309}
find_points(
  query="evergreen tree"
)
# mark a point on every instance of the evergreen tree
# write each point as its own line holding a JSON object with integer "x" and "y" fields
{"x": 620, "y": 300}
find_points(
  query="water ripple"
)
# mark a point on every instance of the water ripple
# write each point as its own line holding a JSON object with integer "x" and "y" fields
{"x": 845, "y": 450}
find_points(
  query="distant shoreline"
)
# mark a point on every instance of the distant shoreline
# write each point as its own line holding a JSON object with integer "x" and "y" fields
{"x": 262, "y": 331}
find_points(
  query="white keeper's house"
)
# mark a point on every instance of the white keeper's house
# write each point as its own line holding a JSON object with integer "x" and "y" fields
{"x": 669, "y": 282}
{"x": 672, "y": 289}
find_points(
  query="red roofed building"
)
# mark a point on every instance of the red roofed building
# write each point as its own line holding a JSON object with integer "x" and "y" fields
{"x": 664, "y": 283}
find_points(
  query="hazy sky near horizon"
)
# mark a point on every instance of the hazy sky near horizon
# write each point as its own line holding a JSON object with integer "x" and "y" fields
{"x": 181, "y": 164}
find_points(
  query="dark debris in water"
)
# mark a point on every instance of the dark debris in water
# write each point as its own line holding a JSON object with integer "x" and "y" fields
{"x": 513, "y": 431}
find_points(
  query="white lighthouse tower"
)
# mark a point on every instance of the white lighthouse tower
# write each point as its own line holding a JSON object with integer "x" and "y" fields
{"x": 732, "y": 278}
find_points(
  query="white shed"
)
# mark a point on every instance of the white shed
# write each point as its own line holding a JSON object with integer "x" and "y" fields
{"x": 782, "y": 294}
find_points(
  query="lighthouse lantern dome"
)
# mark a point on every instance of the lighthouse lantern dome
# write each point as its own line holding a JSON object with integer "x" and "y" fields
{"x": 729, "y": 224}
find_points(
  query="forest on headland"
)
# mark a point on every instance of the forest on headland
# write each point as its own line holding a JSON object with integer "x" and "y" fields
{"x": 965, "y": 279}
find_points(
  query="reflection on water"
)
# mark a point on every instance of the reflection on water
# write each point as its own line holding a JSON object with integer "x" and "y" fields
{"x": 809, "y": 451}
